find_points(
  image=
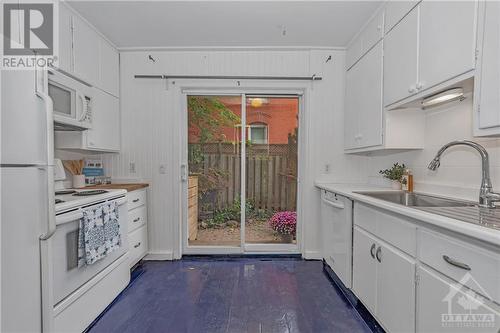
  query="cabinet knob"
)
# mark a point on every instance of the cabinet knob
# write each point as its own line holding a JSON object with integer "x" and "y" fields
{"x": 419, "y": 85}
{"x": 372, "y": 249}
{"x": 137, "y": 245}
{"x": 412, "y": 89}
{"x": 137, "y": 219}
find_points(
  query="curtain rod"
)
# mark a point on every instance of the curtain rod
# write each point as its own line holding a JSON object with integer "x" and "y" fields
{"x": 229, "y": 77}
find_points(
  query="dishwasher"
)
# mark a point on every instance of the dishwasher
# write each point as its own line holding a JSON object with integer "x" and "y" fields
{"x": 336, "y": 219}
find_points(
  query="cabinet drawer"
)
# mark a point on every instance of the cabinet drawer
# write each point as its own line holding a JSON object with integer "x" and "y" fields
{"x": 138, "y": 242}
{"x": 456, "y": 259}
{"x": 136, "y": 199}
{"x": 137, "y": 217}
{"x": 392, "y": 228}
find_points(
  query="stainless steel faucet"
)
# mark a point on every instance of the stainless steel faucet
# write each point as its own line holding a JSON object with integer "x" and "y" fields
{"x": 487, "y": 197}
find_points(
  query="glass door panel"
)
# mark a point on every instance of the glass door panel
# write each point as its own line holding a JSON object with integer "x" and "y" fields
{"x": 214, "y": 164}
{"x": 271, "y": 169}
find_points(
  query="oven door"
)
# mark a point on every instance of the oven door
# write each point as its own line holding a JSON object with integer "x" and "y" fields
{"x": 67, "y": 276}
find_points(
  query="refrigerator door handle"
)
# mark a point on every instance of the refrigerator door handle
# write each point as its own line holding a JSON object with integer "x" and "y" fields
{"x": 49, "y": 122}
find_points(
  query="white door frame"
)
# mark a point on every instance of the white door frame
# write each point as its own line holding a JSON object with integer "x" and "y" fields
{"x": 183, "y": 88}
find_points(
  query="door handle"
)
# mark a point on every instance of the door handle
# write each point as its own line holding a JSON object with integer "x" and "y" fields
{"x": 456, "y": 263}
{"x": 372, "y": 249}
{"x": 184, "y": 173}
{"x": 83, "y": 114}
{"x": 378, "y": 254}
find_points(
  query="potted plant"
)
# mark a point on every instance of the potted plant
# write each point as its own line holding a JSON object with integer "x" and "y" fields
{"x": 395, "y": 174}
{"x": 285, "y": 224}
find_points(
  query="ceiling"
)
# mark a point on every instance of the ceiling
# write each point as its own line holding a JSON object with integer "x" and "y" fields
{"x": 227, "y": 23}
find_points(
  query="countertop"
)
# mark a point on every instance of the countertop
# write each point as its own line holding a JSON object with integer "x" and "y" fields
{"x": 129, "y": 187}
{"x": 468, "y": 229}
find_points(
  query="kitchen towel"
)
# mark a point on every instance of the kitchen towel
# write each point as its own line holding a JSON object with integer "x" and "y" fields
{"x": 99, "y": 233}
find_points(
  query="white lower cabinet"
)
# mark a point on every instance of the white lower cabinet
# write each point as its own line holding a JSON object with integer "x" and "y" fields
{"x": 384, "y": 280}
{"x": 446, "y": 306}
{"x": 137, "y": 225}
{"x": 451, "y": 284}
{"x": 395, "y": 289}
{"x": 364, "y": 268}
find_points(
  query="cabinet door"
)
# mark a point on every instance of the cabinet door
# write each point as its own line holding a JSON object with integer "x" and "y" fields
{"x": 395, "y": 290}
{"x": 109, "y": 68}
{"x": 85, "y": 51}
{"x": 400, "y": 59}
{"x": 354, "y": 77}
{"x": 65, "y": 39}
{"x": 364, "y": 268}
{"x": 370, "y": 96}
{"x": 105, "y": 132}
{"x": 395, "y": 11}
{"x": 439, "y": 298}
{"x": 488, "y": 109}
{"x": 447, "y": 40}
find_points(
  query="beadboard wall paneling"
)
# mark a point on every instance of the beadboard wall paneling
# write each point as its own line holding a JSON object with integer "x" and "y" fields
{"x": 151, "y": 128}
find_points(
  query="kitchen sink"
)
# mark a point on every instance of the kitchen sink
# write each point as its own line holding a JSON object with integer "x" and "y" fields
{"x": 416, "y": 199}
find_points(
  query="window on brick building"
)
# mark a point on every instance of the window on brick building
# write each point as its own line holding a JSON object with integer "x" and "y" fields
{"x": 257, "y": 133}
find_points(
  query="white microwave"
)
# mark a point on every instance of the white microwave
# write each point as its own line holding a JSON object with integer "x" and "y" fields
{"x": 72, "y": 102}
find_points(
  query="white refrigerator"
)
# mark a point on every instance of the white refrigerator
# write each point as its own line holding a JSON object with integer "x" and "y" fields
{"x": 26, "y": 201}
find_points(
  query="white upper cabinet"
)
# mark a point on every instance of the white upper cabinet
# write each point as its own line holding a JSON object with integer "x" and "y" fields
{"x": 363, "y": 103}
{"x": 85, "y": 51}
{"x": 395, "y": 10}
{"x": 447, "y": 40}
{"x": 434, "y": 43}
{"x": 86, "y": 55}
{"x": 366, "y": 39}
{"x": 105, "y": 132}
{"x": 65, "y": 39}
{"x": 487, "y": 85}
{"x": 400, "y": 59}
{"x": 109, "y": 68}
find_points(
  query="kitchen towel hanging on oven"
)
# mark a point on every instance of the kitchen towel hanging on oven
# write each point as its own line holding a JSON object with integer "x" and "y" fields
{"x": 99, "y": 233}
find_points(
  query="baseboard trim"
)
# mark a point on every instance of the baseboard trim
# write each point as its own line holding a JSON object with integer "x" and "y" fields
{"x": 154, "y": 256}
{"x": 313, "y": 255}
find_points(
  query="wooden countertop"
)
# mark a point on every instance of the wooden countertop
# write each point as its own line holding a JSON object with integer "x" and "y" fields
{"x": 129, "y": 187}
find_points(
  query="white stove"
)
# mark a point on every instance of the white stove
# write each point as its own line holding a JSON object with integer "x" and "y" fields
{"x": 69, "y": 199}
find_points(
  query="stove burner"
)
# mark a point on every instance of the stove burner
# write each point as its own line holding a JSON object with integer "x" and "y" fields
{"x": 59, "y": 201}
{"x": 90, "y": 192}
{"x": 62, "y": 192}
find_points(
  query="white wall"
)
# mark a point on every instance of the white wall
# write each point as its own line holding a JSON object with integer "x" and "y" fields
{"x": 460, "y": 171}
{"x": 151, "y": 128}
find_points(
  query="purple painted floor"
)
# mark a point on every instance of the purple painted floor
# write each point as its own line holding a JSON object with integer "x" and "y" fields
{"x": 233, "y": 295}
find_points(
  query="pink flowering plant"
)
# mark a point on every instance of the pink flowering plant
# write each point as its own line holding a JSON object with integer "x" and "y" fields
{"x": 284, "y": 222}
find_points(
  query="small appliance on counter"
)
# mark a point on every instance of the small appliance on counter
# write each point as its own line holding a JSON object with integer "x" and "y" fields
{"x": 94, "y": 173}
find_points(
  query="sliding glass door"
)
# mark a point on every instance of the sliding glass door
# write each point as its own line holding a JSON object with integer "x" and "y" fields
{"x": 223, "y": 189}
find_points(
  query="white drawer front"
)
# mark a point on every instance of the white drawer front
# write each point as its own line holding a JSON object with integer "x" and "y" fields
{"x": 474, "y": 267}
{"x": 137, "y": 217}
{"x": 392, "y": 228}
{"x": 136, "y": 198}
{"x": 138, "y": 241}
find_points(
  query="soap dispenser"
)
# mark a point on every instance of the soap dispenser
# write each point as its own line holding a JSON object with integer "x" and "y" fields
{"x": 407, "y": 180}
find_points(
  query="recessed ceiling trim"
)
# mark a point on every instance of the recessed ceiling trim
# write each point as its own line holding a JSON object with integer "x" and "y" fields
{"x": 230, "y": 48}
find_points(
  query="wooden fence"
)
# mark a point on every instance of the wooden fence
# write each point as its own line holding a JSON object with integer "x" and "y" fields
{"x": 271, "y": 173}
